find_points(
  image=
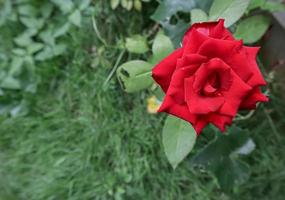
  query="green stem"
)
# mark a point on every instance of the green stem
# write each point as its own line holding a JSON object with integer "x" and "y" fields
{"x": 114, "y": 68}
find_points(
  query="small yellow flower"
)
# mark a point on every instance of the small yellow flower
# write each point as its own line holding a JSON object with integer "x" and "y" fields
{"x": 153, "y": 104}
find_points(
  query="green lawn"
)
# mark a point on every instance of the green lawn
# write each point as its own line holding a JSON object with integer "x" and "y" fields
{"x": 86, "y": 140}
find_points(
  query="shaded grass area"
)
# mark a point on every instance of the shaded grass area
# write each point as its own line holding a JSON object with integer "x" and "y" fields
{"x": 85, "y": 142}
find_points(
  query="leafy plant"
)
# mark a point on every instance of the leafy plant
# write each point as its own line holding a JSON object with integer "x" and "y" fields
{"x": 128, "y": 4}
{"x": 41, "y": 35}
{"x": 135, "y": 75}
{"x": 178, "y": 136}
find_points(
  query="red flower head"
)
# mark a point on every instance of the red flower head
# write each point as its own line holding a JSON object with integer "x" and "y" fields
{"x": 210, "y": 77}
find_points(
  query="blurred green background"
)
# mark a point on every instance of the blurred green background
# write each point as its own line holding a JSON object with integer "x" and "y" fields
{"x": 69, "y": 132}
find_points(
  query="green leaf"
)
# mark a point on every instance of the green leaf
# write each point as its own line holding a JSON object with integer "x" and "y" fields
{"x": 167, "y": 8}
{"x": 46, "y": 10}
{"x": 84, "y": 4}
{"x": 114, "y": 4}
{"x": 137, "y": 44}
{"x": 178, "y": 139}
{"x": 230, "y": 173}
{"x": 34, "y": 47}
{"x": 162, "y": 47}
{"x": 75, "y": 18}
{"x": 58, "y": 49}
{"x": 44, "y": 54}
{"x": 32, "y": 23}
{"x": 23, "y": 40}
{"x": 65, "y": 6}
{"x": 204, "y": 4}
{"x": 138, "y": 5}
{"x": 270, "y": 6}
{"x": 10, "y": 83}
{"x": 27, "y": 10}
{"x": 273, "y": 6}
{"x": 16, "y": 66}
{"x": 221, "y": 157}
{"x": 198, "y": 15}
{"x": 230, "y": 10}
{"x": 47, "y": 37}
{"x": 252, "y": 29}
{"x": 20, "y": 110}
{"x": 19, "y": 52}
{"x": 135, "y": 75}
{"x": 255, "y": 4}
{"x": 175, "y": 32}
{"x": 61, "y": 30}
{"x": 124, "y": 3}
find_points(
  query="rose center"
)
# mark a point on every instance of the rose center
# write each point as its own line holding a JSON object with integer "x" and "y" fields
{"x": 212, "y": 85}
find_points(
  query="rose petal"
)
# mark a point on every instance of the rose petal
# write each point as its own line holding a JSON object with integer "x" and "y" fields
{"x": 215, "y": 65}
{"x": 198, "y": 104}
{"x": 228, "y": 51}
{"x": 252, "y": 98}
{"x": 193, "y": 41}
{"x": 200, "y": 125}
{"x": 163, "y": 71}
{"x": 191, "y": 59}
{"x": 256, "y": 79}
{"x": 220, "y": 121}
{"x": 234, "y": 96}
{"x": 207, "y": 29}
{"x": 176, "y": 87}
{"x": 170, "y": 106}
{"x": 220, "y": 32}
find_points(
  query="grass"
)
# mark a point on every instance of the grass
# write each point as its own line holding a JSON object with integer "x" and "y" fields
{"x": 85, "y": 141}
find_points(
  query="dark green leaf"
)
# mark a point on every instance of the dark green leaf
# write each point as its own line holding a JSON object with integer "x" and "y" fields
{"x": 169, "y": 7}
{"x": 204, "y": 4}
{"x": 252, "y": 29}
{"x": 135, "y": 75}
{"x": 175, "y": 32}
{"x": 230, "y": 10}
{"x": 220, "y": 157}
{"x": 178, "y": 139}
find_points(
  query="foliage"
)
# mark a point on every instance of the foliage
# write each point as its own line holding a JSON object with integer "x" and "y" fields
{"x": 178, "y": 139}
{"x": 250, "y": 28}
{"x": 68, "y": 132}
{"x": 41, "y": 35}
{"x": 128, "y": 4}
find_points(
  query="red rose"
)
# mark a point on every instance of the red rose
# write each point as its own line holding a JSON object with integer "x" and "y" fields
{"x": 210, "y": 77}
